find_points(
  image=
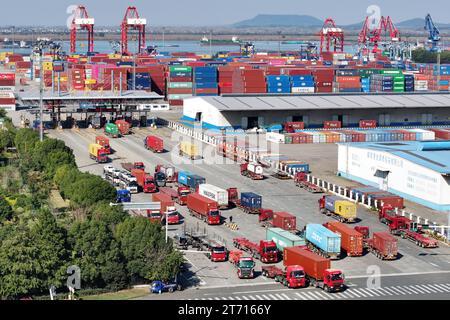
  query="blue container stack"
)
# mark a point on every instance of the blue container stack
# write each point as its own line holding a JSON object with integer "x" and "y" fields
{"x": 143, "y": 81}
{"x": 409, "y": 82}
{"x": 381, "y": 83}
{"x": 206, "y": 81}
{"x": 278, "y": 84}
{"x": 444, "y": 70}
{"x": 302, "y": 84}
{"x": 365, "y": 84}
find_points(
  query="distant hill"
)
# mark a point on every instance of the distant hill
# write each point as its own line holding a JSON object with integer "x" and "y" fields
{"x": 271, "y": 20}
{"x": 419, "y": 23}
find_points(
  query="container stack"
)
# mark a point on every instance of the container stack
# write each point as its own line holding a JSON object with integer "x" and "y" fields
{"x": 249, "y": 81}
{"x": 7, "y": 100}
{"x": 441, "y": 84}
{"x": 420, "y": 82}
{"x": 225, "y": 79}
{"x": 77, "y": 76}
{"x": 398, "y": 79}
{"x": 205, "y": 81}
{"x": 179, "y": 84}
{"x": 324, "y": 80}
{"x": 115, "y": 79}
{"x": 409, "y": 82}
{"x": 140, "y": 82}
{"x": 302, "y": 84}
{"x": 157, "y": 78}
{"x": 347, "y": 81}
{"x": 278, "y": 84}
{"x": 381, "y": 83}
{"x": 7, "y": 81}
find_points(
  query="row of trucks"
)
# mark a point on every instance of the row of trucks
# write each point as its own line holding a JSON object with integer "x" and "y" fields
{"x": 121, "y": 179}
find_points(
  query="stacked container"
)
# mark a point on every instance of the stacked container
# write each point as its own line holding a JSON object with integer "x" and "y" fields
{"x": 142, "y": 81}
{"x": 381, "y": 83}
{"x": 347, "y": 81}
{"x": 182, "y": 77}
{"x": 205, "y": 81}
{"x": 225, "y": 79}
{"x": 420, "y": 82}
{"x": 278, "y": 84}
{"x": 249, "y": 81}
{"x": 302, "y": 84}
{"x": 324, "y": 80}
{"x": 409, "y": 82}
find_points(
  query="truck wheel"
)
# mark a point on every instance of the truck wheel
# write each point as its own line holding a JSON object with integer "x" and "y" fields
{"x": 326, "y": 288}
{"x": 171, "y": 289}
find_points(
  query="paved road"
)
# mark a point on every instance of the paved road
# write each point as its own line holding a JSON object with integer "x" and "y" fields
{"x": 277, "y": 194}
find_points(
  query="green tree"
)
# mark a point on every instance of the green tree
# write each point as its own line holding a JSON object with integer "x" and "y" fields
{"x": 6, "y": 139}
{"x": 6, "y": 212}
{"x": 90, "y": 190}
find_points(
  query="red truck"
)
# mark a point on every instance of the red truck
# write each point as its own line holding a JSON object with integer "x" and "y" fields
{"x": 351, "y": 240}
{"x": 291, "y": 277}
{"x": 245, "y": 265}
{"x": 203, "y": 208}
{"x": 383, "y": 246}
{"x": 168, "y": 209}
{"x": 252, "y": 170}
{"x": 171, "y": 174}
{"x": 154, "y": 144}
{"x": 104, "y": 142}
{"x": 217, "y": 252}
{"x": 144, "y": 180}
{"x": 318, "y": 269}
{"x": 301, "y": 181}
{"x": 179, "y": 194}
{"x": 130, "y": 166}
{"x": 123, "y": 126}
{"x": 364, "y": 231}
{"x": 282, "y": 220}
{"x": 266, "y": 251}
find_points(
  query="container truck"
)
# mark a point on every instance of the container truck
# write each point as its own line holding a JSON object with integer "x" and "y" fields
{"x": 179, "y": 194}
{"x": 123, "y": 196}
{"x": 342, "y": 210}
{"x": 160, "y": 179}
{"x": 168, "y": 209}
{"x": 266, "y": 250}
{"x": 282, "y": 220}
{"x": 123, "y": 127}
{"x": 203, "y": 208}
{"x": 383, "y": 246}
{"x": 249, "y": 202}
{"x": 128, "y": 166}
{"x": 283, "y": 238}
{"x": 245, "y": 265}
{"x": 112, "y": 130}
{"x": 351, "y": 240}
{"x": 318, "y": 269}
{"x": 214, "y": 193}
{"x": 154, "y": 144}
{"x": 301, "y": 181}
{"x": 171, "y": 174}
{"x": 291, "y": 276}
{"x": 322, "y": 241}
{"x": 189, "y": 150}
{"x": 144, "y": 180}
{"x": 252, "y": 170}
{"x": 190, "y": 180}
{"x": 98, "y": 153}
{"x": 104, "y": 142}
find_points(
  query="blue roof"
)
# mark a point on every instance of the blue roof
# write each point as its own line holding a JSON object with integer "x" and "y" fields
{"x": 434, "y": 155}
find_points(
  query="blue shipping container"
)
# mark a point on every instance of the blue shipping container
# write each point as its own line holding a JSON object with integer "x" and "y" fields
{"x": 182, "y": 177}
{"x": 302, "y": 78}
{"x": 251, "y": 200}
{"x": 193, "y": 181}
{"x": 323, "y": 238}
{"x": 206, "y": 85}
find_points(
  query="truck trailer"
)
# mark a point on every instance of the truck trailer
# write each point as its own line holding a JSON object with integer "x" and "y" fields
{"x": 291, "y": 276}
{"x": 98, "y": 153}
{"x": 351, "y": 240}
{"x": 383, "y": 246}
{"x": 283, "y": 238}
{"x": 154, "y": 144}
{"x": 144, "y": 181}
{"x": 203, "y": 208}
{"x": 266, "y": 250}
{"x": 322, "y": 241}
{"x": 214, "y": 193}
{"x": 342, "y": 210}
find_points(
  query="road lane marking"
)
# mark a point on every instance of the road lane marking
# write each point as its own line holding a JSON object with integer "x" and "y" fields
{"x": 301, "y": 296}
{"x": 320, "y": 294}
{"x": 279, "y": 296}
{"x": 399, "y": 292}
{"x": 436, "y": 287}
{"x": 434, "y": 264}
{"x": 328, "y": 295}
{"x": 356, "y": 293}
{"x": 286, "y": 296}
{"x": 443, "y": 288}
{"x": 313, "y": 296}
{"x": 425, "y": 288}
{"x": 409, "y": 288}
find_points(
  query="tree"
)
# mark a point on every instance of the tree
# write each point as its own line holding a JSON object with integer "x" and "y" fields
{"x": 6, "y": 212}
{"x": 6, "y": 139}
{"x": 90, "y": 190}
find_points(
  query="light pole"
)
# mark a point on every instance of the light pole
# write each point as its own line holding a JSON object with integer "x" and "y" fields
{"x": 164, "y": 37}
{"x": 210, "y": 42}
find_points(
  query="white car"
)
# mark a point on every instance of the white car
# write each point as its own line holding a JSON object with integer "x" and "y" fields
{"x": 108, "y": 169}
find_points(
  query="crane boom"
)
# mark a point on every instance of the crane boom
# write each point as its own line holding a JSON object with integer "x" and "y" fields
{"x": 134, "y": 22}
{"x": 434, "y": 34}
{"x": 81, "y": 21}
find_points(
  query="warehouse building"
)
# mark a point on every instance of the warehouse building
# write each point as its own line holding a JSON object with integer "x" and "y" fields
{"x": 417, "y": 171}
{"x": 248, "y": 112}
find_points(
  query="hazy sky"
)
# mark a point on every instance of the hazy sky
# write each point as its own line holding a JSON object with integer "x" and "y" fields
{"x": 217, "y": 12}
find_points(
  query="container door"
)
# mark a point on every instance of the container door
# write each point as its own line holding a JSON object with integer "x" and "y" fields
{"x": 381, "y": 120}
{"x": 306, "y": 121}
{"x": 244, "y": 123}
{"x": 345, "y": 119}
{"x": 260, "y": 122}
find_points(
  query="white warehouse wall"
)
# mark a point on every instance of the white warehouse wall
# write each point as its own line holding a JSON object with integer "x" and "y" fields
{"x": 209, "y": 113}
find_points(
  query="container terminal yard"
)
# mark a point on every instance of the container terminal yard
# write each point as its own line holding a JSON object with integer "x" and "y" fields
{"x": 286, "y": 175}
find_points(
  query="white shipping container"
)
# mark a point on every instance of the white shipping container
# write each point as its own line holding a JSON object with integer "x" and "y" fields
{"x": 255, "y": 168}
{"x": 214, "y": 193}
{"x": 302, "y": 90}
{"x": 275, "y": 137}
{"x": 9, "y": 107}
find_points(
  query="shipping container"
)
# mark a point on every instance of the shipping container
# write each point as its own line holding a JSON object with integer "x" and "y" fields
{"x": 327, "y": 242}
{"x": 285, "y": 221}
{"x": 214, "y": 193}
{"x": 313, "y": 264}
{"x": 351, "y": 240}
{"x": 283, "y": 238}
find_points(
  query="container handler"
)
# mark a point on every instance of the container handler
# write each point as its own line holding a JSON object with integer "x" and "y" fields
{"x": 252, "y": 170}
{"x": 341, "y": 210}
{"x": 98, "y": 153}
{"x": 248, "y": 202}
{"x": 301, "y": 181}
{"x": 291, "y": 276}
{"x": 245, "y": 265}
{"x": 266, "y": 250}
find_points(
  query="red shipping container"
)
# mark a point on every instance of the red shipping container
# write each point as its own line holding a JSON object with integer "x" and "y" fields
{"x": 313, "y": 264}
{"x": 324, "y": 84}
{"x": 179, "y": 90}
{"x": 332, "y": 124}
{"x": 388, "y": 199}
{"x": 368, "y": 123}
{"x": 324, "y": 89}
{"x": 8, "y": 76}
{"x": 351, "y": 240}
{"x": 284, "y": 220}
{"x": 206, "y": 91}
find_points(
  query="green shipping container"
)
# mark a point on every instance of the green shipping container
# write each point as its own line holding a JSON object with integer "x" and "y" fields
{"x": 283, "y": 238}
{"x": 366, "y": 73}
{"x": 178, "y": 96}
{"x": 180, "y": 85}
{"x": 180, "y": 69}
{"x": 391, "y": 72}
{"x": 111, "y": 129}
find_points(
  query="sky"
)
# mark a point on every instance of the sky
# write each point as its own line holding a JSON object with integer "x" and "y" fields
{"x": 217, "y": 12}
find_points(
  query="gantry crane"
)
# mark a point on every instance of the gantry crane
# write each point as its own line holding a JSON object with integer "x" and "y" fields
{"x": 331, "y": 36}
{"x": 81, "y": 21}
{"x": 134, "y": 22}
{"x": 434, "y": 36}
{"x": 375, "y": 36}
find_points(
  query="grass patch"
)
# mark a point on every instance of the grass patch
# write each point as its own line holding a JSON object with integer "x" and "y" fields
{"x": 120, "y": 295}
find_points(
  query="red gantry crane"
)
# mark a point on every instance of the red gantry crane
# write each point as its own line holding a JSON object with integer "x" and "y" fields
{"x": 331, "y": 36}
{"x": 373, "y": 37}
{"x": 134, "y": 22}
{"x": 81, "y": 21}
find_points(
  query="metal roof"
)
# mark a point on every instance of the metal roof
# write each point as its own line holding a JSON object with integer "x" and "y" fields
{"x": 33, "y": 95}
{"x": 326, "y": 101}
{"x": 415, "y": 151}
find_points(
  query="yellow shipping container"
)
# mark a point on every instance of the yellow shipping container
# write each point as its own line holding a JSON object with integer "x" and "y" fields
{"x": 189, "y": 149}
{"x": 90, "y": 81}
{"x": 207, "y": 56}
{"x": 346, "y": 210}
{"x": 74, "y": 56}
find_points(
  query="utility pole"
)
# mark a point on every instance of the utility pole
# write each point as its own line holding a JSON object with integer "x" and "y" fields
{"x": 439, "y": 69}
{"x": 41, "y": 97}
{"x": 164, "y": 37}
{"x": 210, "y": 42}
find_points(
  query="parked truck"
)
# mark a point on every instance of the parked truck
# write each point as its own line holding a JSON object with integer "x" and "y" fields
{"x": 128, "y": 166}
{"x": 98, "y": 153}
{"x": 351, "y": 240}
{"x": 171, "y": 174}
{"x": 188, "y": 179}
{"x": 189, "y": 150}
{"x": 318, "y": 269}
{"x": 123, "y": 195}
{"x": 160, "y": 179}
{"x": 342, "y": 210}
{"x": 124, "y": 127}
{"x": 104, "y": 142}
{"x": 198, "y": 239}
{"x": 252, "y": 170}
{"x": 144, "y": 181}
{"x": 245, "y": 265}
{"x": 322, "y": 241}
{"x": 168, "y": 209}
{"x": 154, "y": 144}
{"x": 179, "y": 195}
{"x": 112, "y": 130}
{"x": 283, "y": 220}
{"x": 203, "y": 208}
{"x": 248, "y": 202}
{"x": 266, "y": 250}
{"x": 291, "y": 276}
{"x": 383, "y": 246}
{"x": 214, "y": 193}
{"x": 301, "y": 181}
{"x": 283, "y": 238}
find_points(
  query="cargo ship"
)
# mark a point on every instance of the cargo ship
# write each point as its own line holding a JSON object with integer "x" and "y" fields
{"x": 232, "y": 42}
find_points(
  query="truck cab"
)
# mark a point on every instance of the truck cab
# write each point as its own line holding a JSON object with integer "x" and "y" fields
{"x": 154, "y": 216}
{"x": 333, "y": 280}
{"x": 182, "y": 195}
{"x": 160, "y": 179}
{"x": 214, "y": 216}
{"x": 268, "y": 251}
{"x": 295, "y": 276}
{"x": 149, "y": 184}
{"x": 218, "y": 253}
{"x": 364, "y": 231}
{"x": 123, "y": 196}
{"x": 246, "y": 268}
{"x": 139, "y": 165}
{"x": 172, "y": 216}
